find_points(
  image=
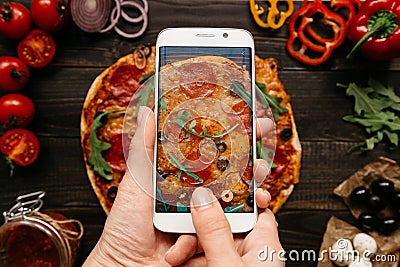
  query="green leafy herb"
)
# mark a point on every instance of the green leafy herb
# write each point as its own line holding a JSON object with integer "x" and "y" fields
{"x": 96, "y": 160}
{"x": 184, "y": 116}
{"x": 234, "y": 208}
{"x": 143, "y": 95}
{"x": 162, "y": 105}
{"x": 376, "y": 109}
{"x": 239, "y": 89}
{"x": 163, "y": 202}
{"x": 265, "y": 153}
{"x": 183, "y": 168}
{"x": 274, "y": 102}
{"x": 181, "y": 208}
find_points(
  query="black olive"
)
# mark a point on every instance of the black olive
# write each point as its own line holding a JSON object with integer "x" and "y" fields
{"x": 388, "y": 225}
{"x": 222, "y": 163}
{"x": 376, "y": 202}
{"x": 360, "y": 195}
{"x": 221, "y": 146}
{"x": 382, "y": 187}
{"x": 286, "y": 134}
{"x": 161, "y": 137}
{"x": 395, "y": 199}
{"x": 112, "y": 192}
{"x": 368, "y": 221}
{"x": 250, "y": 199}
{"x": 162, "y": 173}
{"x": 397, "y": 212}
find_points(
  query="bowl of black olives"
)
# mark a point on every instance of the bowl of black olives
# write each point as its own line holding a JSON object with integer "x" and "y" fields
{"x": 379, "y": 202}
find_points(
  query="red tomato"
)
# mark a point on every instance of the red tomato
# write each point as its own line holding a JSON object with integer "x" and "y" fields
{"x": 15, "y": 21}
{"x": 37, "y": 49}
{"x": 20, "y": 145}
{"x": 16, "y": 111}
{"x": 49, "y": 15}
{"x": 14, "y": 74}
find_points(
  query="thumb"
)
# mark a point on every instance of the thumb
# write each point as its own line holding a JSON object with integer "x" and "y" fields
{"x": 212, "y": 228}
{"x": 140, "y": 158}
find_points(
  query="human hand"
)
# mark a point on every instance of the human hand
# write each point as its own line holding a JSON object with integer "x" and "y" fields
{"x": 129, "y": 237}
{"x": 215, "y": 239}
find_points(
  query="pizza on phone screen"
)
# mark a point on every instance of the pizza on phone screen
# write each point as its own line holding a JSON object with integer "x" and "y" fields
{"x": 103, "y": 138}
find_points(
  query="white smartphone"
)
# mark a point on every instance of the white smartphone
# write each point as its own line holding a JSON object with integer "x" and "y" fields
{"x": 205, "y": 120}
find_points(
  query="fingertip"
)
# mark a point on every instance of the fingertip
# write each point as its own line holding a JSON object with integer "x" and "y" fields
{"x": 261, "y": 170}
{"x": 263, "y": 198}
{"x": 184, "y": 248}
{"x": 263, "y": 127}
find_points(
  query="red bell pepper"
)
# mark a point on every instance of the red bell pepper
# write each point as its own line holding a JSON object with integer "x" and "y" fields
{"x": 375, "y": 30}
{"x": 320, "y": 51}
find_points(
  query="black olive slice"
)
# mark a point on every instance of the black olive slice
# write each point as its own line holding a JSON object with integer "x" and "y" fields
{"x": 250, "y": 200}
{"x": 221, "y": 146}
{"x": 162, "y": 173}
{"x": 222, "y": 163}
{"x": 161, "y": 137}
{"x": 286, "y": 134}
{"x": 112, "y": 192}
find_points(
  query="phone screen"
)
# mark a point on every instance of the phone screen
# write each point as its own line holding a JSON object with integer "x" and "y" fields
{"x": 204, "y": 127}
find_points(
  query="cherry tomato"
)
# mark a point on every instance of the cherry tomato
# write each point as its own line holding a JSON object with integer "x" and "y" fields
{"x": 37, "y": 49}
{"x": 20, "y": 145}
{"x": 49, "y": 15}
{"x": 14, "y": 74}
{"x": 15, "y": 21}
{"x": 16, "y": 111}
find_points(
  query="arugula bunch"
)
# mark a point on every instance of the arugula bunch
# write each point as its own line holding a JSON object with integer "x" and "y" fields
{"x": 377, "y": 109}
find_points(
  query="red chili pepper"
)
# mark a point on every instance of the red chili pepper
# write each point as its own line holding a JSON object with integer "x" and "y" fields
{"x": 375, "y": 30}
{"x": 323, "y": 49}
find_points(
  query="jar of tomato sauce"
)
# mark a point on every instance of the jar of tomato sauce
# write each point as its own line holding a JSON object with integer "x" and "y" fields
{"x": 32, "y": 238}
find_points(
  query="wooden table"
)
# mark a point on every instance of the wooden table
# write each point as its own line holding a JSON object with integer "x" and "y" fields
{"x": 58, "y": 92}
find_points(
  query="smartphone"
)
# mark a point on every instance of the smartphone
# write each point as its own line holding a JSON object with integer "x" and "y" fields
{"x": 205, "y": 121}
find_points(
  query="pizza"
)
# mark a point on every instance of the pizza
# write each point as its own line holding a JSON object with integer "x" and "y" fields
{"x": 117, "y": 92}
{"x": 205, "y": 130}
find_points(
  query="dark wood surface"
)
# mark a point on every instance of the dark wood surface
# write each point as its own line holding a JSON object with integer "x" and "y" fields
{"x": 58, "y": 92}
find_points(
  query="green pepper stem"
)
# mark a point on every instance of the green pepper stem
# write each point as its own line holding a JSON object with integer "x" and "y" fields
{"x": 381, "y": 25}
{"x": 376, "y": 28}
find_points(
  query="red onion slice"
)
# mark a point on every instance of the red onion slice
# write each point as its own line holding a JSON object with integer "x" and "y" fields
{"x": 137, "y": 19}
{"x": 144, "y": 25}
{"x": 114, "y": 18}
{"x": 90, "y": 15}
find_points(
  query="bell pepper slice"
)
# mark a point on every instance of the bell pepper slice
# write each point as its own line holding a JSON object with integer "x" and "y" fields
{"x": 376, "y": 30}
{"x": 336, "y": 27}
{"x": 331, "y": 19}
{"x": 275, "y": 18}
{"x": 300, "y": 54}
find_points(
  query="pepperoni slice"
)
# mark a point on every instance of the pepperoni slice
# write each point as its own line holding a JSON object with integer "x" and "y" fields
{"x": 124, "y": 81}
{"x": 115, "y": 155}
{"x": 197, "y": 79}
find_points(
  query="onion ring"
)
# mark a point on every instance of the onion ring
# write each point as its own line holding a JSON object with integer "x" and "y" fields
{"x": 137, "y": 19}
{"x": 144, "y": 25}
{"x": 115, "y": 20}
{"x": 90, "y": 15}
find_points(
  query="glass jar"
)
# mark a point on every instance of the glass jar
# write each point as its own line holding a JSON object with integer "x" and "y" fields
{"x": 32, "y": 238}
